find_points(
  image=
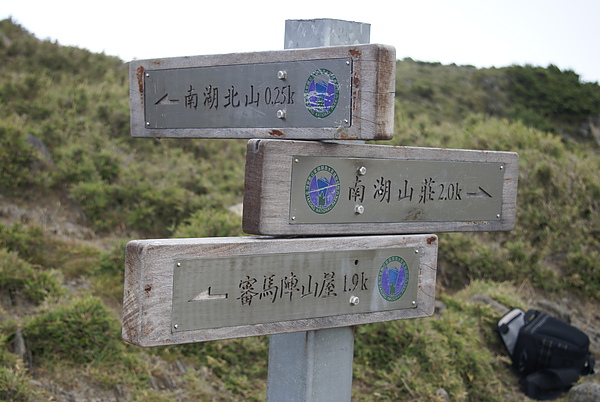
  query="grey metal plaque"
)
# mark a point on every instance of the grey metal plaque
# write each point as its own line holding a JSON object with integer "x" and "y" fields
{"x": 315, "y": 93}
{"x": 195, "y": 290}
{"x": 220, "y": 292}
{"x": 354, "y": 190}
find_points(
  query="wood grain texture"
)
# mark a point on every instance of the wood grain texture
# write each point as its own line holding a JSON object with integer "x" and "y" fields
{"x": 373, "y": 89}
{"x": 148, "y": 294}
{"x": 267, "y": 190}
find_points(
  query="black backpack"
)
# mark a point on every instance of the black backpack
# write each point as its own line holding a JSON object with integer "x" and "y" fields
{"x": 549, "y": 354}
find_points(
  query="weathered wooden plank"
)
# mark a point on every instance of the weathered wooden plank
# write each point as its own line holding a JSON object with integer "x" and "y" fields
{"x": 375, "y": 189}
{"x": 174, "y": 287}
{"x": 266, "y": 94}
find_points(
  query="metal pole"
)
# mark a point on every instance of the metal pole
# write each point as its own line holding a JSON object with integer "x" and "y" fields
{"x": 311, "y": 366}
{"x": 315, "y": 365}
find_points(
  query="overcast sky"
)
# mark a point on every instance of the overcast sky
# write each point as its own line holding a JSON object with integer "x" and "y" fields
{"x": 482, "y": 33}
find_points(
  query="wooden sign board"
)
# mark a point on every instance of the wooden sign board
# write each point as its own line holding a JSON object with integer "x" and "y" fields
{"x": 312, "y": 188}
{"x": 194, "y": 290}
{"x": 344, "y": 92}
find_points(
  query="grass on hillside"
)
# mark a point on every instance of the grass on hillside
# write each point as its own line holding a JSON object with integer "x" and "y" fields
{"x": 63, "y": 298}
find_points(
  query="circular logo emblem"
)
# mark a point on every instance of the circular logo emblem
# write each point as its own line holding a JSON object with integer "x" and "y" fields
{"x": 321, "y": 93}
{"x": 393, "y": 278}
{"x": 322, "y": 189}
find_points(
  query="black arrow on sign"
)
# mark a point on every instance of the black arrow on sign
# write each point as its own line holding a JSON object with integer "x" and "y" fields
{"x": 206, "y": 295}
{"x": 479, "y": 194}
{"x": 166, "y": 101}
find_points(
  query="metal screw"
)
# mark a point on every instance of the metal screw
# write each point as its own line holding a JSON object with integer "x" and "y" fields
{"x": 147, "y": 123}
{"x": 345, "y": 121}
{"x": 359, "y": 209}
{"x": 293, "y": 218}
{"x": 362, "y": 170}
{"x": 414, "y": 303}
{"x": 281, "y": 114}
{"x": 354, "y": 300}
{"x": 417, "y": 251}
{"x": 347, "y": 62}
{"x": 175, "y": 326}
{"x": 497, "y": 215}
{"x": 501, "y": 167}
{"x": 147, "y": 75}
{"x": 296, "y": 160}
{"x": 178, "y": 264}
{"x": 281, "y": 74}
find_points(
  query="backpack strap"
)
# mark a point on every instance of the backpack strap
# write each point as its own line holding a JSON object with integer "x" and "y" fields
{"x": 549, "y": 383}
{"x": 588, "y": 368}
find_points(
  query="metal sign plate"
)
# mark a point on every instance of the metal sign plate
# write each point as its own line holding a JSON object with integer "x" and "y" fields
{"x": 327, "y": 93}
{"x": 322, "y": 188}
{"x": 349, "y": 190}
{"x": 315, "y": 93}
{"x": 194, "y": 290}
{"x": 251, "y": 289}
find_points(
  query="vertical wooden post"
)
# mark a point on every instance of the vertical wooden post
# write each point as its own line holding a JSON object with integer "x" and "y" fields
{"x": 315, "y": 365}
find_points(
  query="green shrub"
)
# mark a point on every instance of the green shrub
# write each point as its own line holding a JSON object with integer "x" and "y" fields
{"x": 27, "y": 241}
{"x": 159, "y": 190}
{"x": 107, "y": 166}
{"x": 447, "y": 93}
{"x": 581, "y": 270}
{"x": 14, "y": 376}
{"x": 16, "y": 157}
{"x": 551, "y": 99}
{"x": 83, "y": 163}
{"x": 81, "y": 331}
{"x": 210, "y": 223}
{"x": 41, "y": 249}
{"x": 76, "y": 164}
{"x": 18, "y": 276}
{"x": 15, "y": 381}
{"x": 95, "y": 197}
{"x": 112, "y": 261}
{"x": 107, "y": 280}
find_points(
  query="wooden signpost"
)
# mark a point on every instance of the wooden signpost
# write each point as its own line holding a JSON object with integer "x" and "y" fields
{"x": 343, "y": 92}
{"x": 339, "y": 88}
{"x": 194, "y": 290}
{"x": 311, "y": 188}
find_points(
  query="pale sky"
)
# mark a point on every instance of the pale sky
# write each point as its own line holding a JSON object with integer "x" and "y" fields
{"x": 482, "y": 33}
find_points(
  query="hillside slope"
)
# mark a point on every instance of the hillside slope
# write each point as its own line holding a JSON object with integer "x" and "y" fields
{"x": 75, "y": 187}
